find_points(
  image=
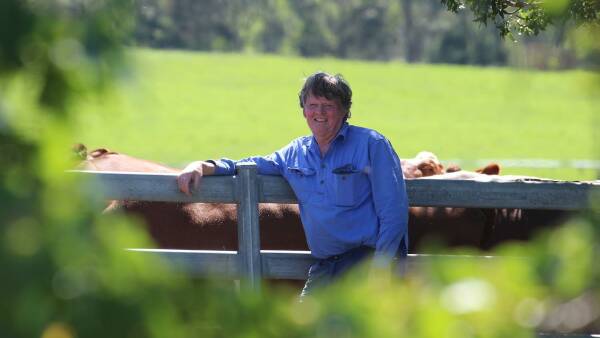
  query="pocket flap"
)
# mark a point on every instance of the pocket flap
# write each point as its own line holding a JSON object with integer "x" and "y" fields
{"x": 302, "y": 171}
{"x": 345, "y": 169}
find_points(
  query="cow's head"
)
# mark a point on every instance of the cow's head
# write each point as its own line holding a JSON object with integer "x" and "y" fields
{"x": 429, "y": 164}
{"x": 422, "y": 165}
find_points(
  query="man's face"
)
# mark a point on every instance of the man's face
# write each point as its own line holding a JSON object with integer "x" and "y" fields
{"x": 324, "y": 116}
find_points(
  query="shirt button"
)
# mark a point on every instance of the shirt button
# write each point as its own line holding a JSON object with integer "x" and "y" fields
{"x": 322, "y": 166}
{"x": 322, "y": 181}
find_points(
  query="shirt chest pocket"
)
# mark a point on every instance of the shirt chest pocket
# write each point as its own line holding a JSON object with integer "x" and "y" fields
{"x": 350, "y": 186}
{"x": 303, "y": 182}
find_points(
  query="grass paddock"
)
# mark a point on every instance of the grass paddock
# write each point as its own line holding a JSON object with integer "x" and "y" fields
{"x": 175, "y": 107}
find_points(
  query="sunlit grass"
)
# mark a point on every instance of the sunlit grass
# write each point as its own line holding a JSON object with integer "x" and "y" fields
{"x": 175, "y": 107}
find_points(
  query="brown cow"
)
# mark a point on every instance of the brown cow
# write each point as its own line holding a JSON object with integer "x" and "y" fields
{"x": 207, "y": 226}
{"x": 212, "y": 226}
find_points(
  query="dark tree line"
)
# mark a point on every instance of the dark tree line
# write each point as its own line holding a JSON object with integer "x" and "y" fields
{"x": 416, "y": 31}
{"x": 372, "y": 29}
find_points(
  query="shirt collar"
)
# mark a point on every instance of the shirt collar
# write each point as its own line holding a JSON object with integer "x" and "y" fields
{"x": 342, "y": 133}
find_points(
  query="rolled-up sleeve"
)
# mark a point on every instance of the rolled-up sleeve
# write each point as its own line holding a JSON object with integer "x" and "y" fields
{"x": 389, "y": 198}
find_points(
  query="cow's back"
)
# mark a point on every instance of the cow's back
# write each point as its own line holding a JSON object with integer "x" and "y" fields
{"x": 213, "y": 226}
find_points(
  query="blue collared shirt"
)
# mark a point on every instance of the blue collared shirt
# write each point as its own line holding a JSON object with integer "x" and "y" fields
{"x": 354, "y": 195}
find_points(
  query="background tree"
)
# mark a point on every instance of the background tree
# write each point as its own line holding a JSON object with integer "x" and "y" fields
{"x": 416, "y": 31}
{"x": 367, "y": 29}
{"x": 517, "y": 17}
{"x": 464, "y": 43}
{"x": 154, "y": 26}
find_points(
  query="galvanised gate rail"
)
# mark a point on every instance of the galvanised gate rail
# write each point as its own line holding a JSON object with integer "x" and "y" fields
{"x": 247, "y": 189}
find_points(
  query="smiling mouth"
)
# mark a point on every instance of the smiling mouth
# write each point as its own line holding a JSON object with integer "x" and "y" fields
{"x": 320, "y": 120}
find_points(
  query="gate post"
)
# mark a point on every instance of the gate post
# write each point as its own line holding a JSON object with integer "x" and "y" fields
{"x": 248, "y": 230}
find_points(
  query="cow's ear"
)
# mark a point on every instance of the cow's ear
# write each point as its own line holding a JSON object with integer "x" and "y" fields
{"x": 79, "y": 151}
{"x": 490, "y": 169}
{"x": 99, "y": 152}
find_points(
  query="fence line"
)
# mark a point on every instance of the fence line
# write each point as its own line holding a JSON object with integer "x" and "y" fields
{"x": 275, "y": 264}
{"x": 247, "y": 189}
{"x": 557, "y": 195}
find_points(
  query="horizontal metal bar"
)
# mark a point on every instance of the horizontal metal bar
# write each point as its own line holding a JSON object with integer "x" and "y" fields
{"x": 199, "y": 263}
{"x": 275, "y": 189}
{"x": 276, "y": 264}
{"x": 566, "y": 335}
{"x": 160, "y": 187}
{"x": 225, "y": 264}
{"x": 526, "y": 194}
{"x": 558, "y": 195}
{"x": 286, "y": 264}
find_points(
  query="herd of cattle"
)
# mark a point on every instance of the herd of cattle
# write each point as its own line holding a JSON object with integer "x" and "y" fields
{"x": 212, "y": 226}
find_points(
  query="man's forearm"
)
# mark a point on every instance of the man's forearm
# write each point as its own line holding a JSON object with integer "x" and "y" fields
{"x": 205, "y": 168}
{"x": 208, "y": 168}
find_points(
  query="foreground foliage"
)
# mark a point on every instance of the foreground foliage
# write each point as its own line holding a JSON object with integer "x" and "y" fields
{"x": 65, "y": 273}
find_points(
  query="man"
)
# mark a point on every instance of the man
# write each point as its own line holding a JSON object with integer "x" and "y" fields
{"x": 347, "y": 179}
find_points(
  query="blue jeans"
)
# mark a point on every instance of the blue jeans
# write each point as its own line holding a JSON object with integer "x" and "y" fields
{"x": 325, "y": 271}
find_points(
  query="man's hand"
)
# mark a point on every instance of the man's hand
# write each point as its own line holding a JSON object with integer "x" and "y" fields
{"x": 190, "y": 177}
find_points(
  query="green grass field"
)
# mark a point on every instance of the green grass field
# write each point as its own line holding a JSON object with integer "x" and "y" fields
{"x": 174, "y": 107}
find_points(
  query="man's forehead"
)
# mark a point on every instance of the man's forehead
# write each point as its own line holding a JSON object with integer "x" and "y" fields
{"x": 312, "y": 97}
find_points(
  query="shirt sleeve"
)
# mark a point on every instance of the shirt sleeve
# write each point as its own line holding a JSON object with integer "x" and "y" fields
{"x": 267, "y": 165}
{"x": 390, "y": 199}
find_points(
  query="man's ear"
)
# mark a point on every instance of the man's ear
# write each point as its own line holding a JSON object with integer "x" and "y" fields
{"x": 347, "y": 112}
